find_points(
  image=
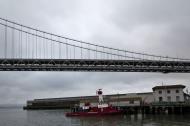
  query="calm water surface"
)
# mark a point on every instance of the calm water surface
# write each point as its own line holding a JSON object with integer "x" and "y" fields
{"x": 19, "y": 117}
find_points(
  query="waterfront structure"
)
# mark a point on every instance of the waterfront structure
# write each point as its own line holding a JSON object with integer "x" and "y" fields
{"x": 160, "y": 96}
{"x": 169, "y": 93}
{"x": 120, "y": 100}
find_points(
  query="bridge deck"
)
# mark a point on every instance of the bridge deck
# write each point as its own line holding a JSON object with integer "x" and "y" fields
{"x": 94, "y": 65}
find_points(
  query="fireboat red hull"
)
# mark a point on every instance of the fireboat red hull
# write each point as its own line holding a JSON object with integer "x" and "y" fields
{"x": 97, "y": 112}
{"x": 92, "y": 113}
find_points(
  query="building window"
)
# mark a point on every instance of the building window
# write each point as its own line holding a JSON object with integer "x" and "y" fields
{"x": 177, "y": 91}
{"x": 160, "y": 99}
{"x": 168, "y": 91}
{"x": 160, "y": 92}
{"x": 169, "y": 98}
{"x": 177, "y": 98}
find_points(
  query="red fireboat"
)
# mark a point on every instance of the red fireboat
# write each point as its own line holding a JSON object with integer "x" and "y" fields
{"x": 102, "y": 108}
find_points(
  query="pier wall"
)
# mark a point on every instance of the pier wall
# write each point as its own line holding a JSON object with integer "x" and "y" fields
{"x": 131, "y": 103}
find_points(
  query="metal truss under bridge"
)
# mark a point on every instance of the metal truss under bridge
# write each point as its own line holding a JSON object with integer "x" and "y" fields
{"x": 93, "y": 65}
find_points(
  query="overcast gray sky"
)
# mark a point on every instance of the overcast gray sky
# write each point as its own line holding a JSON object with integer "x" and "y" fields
{"x": 157, "y": 27}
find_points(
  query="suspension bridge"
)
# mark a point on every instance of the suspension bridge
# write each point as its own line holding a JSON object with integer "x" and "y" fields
{"x": 23, "y": 48}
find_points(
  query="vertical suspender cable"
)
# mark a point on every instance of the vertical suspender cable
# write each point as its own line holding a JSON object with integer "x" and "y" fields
{"x": 143, "y": 56}
{"x": 44, "y": 45}
{"x": 39, "y": 46}
{"x": 26, "y": 37}
{"x": 118, "y": 54}
{"x": 96, "y": 52}
{"x": 111, "y": 54}
{"x": 132, "y": 56}
{"x": 13, "y": 42}
{"x": 103, "y": 54}
{"x": 36, "y": 44}
{"x": 5, "y": 40}
{"x": 88, "y": 51}
{"x": 107, "y": 54}
{"x": 21, "y": 43}
{"x": 32, "y": 47}
{"x": 81, "y": 51}
{"x": 51, "y": 46}
{"x": 29, "y": 44}
{"x": 47, "y": 49}
{"x": 59, "y": 48}
{"x": 74, "y": 51}
{"x": 18, "y": 44}
{"x": 69, "y": 47}
{"x": 66, "y": 50}
{"x": 100, "y": 54}
{"x": 125, "y": 55}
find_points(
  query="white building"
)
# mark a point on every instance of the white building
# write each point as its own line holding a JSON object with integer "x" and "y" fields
{"x": 169, "y": 93}
{"x": 133, "y": 99}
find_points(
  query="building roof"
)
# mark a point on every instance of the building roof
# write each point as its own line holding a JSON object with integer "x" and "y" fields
{"x": 78, "y": 98}
{"x": 168, "y": 87}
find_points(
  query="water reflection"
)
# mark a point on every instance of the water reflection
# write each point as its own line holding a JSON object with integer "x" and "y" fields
{"x": 132, "y": 120}
{"x": 18, "y": 117}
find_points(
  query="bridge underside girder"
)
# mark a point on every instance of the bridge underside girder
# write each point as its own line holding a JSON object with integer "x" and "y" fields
{"x": 94, "y": 65}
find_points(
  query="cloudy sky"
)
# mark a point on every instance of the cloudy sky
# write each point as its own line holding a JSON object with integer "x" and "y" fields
{"x": 155, "y": 27}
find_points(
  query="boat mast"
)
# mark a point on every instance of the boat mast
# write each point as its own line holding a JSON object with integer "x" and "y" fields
{"x": 100, "y": 96}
